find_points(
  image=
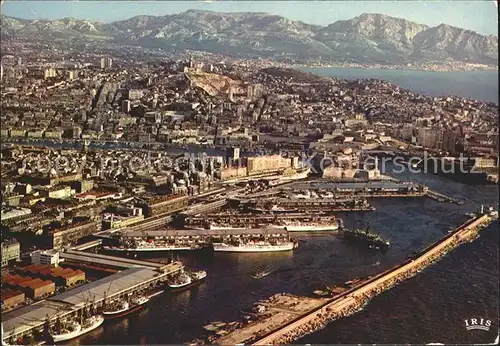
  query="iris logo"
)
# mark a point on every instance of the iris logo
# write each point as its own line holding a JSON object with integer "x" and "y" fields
{"x": 478, "y": 324}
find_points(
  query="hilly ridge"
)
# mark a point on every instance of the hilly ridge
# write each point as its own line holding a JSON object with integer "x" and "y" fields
{"x": 366, "y": 38}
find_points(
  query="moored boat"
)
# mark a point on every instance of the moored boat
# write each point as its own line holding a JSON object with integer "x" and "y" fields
{"x": 299, "y": 227}
{"x": 373, "y": 240}
{"x": 153, "y": 247}
{"x": 124, "y": 308}
{"x": 187, "y": 280}
{"x": 254, "y": 247}
{"x": 75, "y": 329}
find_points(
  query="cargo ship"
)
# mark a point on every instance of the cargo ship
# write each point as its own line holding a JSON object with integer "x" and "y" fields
{"x": 373, "y": 240}
{"x": 254, "y": 247}
{"x": 187, "y": 280}
{"x": 307, "y": 227}
{"x": 151, "y": 246}
{"x": 124, "y": 308}
{"x": 215, "y": 227}
{"x": 75, "y": 329}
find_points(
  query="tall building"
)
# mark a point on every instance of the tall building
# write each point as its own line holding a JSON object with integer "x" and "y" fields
{"x": 250, "y": 91}
{"x": 427, "y": 137}
{"x": 45, "y": 257}
{"x": 449, "y": 141}
{"x": 233, "y": 154}
{"x": 19, "y": 61}
{"x": 126, "y": 106}
{"x": 10, "y": 251}
{"x": 407, "y": 132}
{"x": 106, "y": 62}
{"x": 72, "y": 75}
{"x": 49, "y": 73}
{"x": 77, "y": 131}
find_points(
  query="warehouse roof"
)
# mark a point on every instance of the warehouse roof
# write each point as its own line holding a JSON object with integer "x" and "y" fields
{"x": 108, "y": 286}
{"x": 31, "y": 316}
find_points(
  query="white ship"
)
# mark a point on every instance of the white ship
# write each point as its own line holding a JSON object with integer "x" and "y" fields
{"x": 124, "y": 308}
{"x": 144, "y": 246}
{"x": 75, "y": 329}
{"x": 307, "y": 228}
{"x": 215, "y": 227}
{"x": 254, "y": 247}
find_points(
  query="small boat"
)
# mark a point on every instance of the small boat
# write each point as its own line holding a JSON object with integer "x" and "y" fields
{"x": 187, "y": 280}
{"x": 322, "y": 293}
{"x": 74, "y": 330}
{"x": 124, "y": 308}
{"x": 261, "y": 275}
{"x": 353, "y": 281}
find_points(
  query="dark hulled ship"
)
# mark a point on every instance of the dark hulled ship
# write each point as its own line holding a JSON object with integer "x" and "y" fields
{"x": 364, "y": 236}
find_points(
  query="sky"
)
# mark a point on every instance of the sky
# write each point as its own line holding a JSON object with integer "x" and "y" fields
{"x": 478, "y": 15}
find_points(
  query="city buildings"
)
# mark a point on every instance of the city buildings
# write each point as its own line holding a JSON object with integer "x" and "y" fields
{"x": 10, "y": 251}
{"x": 45, "y": 257}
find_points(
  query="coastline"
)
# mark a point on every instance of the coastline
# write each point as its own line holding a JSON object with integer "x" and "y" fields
{"x": 426, "y": 68}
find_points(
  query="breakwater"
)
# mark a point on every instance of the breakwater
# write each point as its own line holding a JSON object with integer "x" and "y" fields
{"x": 352, "y": 300}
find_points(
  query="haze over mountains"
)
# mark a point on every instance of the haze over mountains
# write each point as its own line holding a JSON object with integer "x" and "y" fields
{"x": 368, "y": 38}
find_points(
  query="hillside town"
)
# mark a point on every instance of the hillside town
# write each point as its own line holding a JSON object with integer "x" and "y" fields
{"x": 98, "y": 143}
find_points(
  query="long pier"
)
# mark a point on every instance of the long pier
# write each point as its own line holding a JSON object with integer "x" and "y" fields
{"x": 287, "y": 329}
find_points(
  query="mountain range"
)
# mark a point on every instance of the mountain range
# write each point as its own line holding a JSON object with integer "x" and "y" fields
{"x": 368, "y": 38}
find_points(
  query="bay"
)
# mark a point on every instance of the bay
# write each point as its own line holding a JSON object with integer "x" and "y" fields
{"x": 477, "y": 85}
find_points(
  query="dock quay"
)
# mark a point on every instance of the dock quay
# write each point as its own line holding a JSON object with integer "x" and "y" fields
{"x": 98, "y": 260}
{"x": 206, "y": 236}
{"x": 256, "y": 219}
{"x": 442, "y": 198}
{"x": 331, "y": 204}
{"x": 368, "y": 186}
{"x": 285, "y": 328}
{"x": 31, "y": 319}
